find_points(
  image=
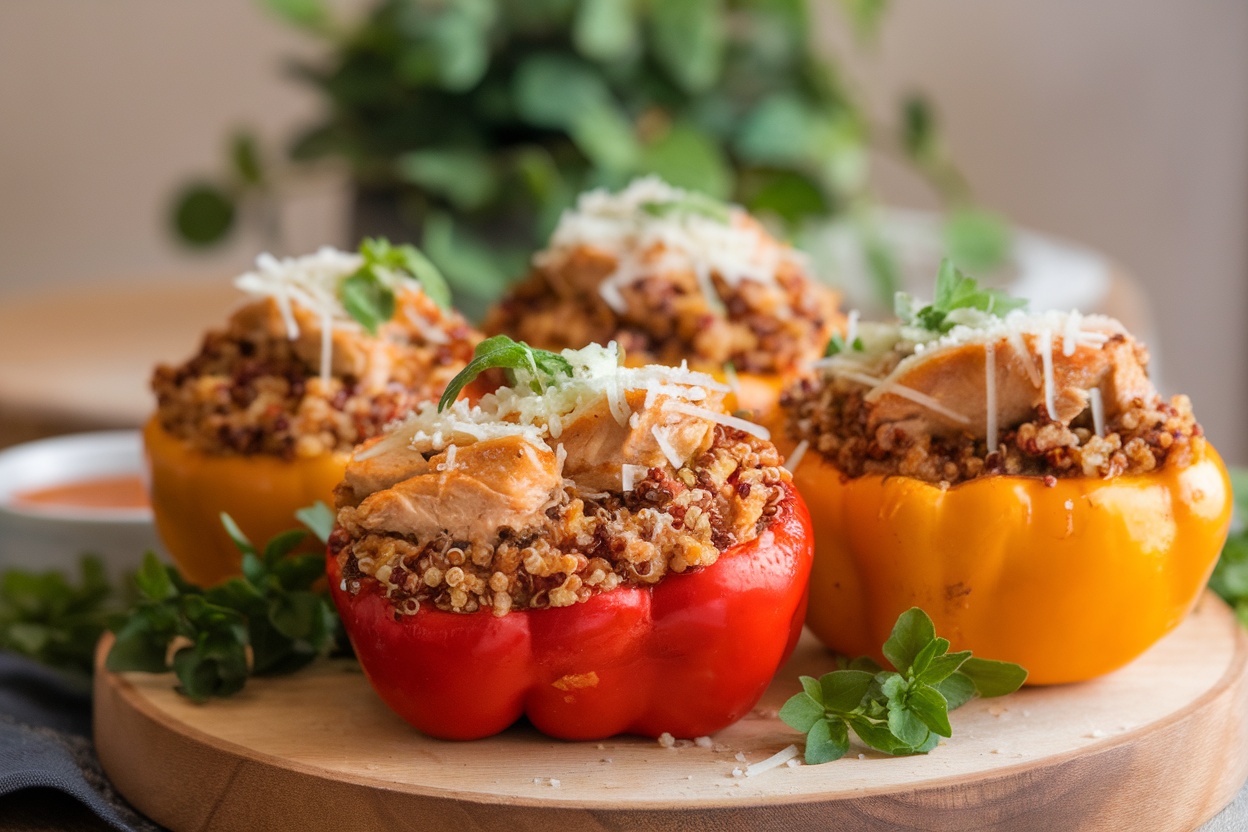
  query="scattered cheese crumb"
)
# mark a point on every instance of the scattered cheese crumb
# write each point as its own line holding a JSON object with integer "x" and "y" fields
{"x": 774, "y": 761}
{"x": 667, "y": 740}
{"x": 703, "y": 742}
{"x": 794, "y": 763}
{"x": 737, "y": 772}
{"x": 1095, "y": 734}
{"x": 862, "y": 756}
{"x": 740, "y": 758}
{"x": 555, "y": 783}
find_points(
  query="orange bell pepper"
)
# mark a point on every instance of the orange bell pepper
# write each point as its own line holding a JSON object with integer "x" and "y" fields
{"x": 1070, "y": 580}
{"x": 190, "y": 489}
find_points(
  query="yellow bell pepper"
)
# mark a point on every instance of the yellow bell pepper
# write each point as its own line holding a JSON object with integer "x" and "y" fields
{"x": 1070, "y": 580}
{"x": 190, "y": 489}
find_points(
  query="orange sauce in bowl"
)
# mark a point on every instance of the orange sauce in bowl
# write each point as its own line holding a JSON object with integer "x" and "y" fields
{"x": 123, "y": 491}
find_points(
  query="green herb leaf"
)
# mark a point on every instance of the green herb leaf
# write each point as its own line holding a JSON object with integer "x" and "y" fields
{"x": 993, "y": 678}
{"x": 500, "y": 352}
{"x": 912, "y": 632}
{"x": 691, "y": 203}
{"x": 271, "y": 609}
{"x": 369, "y": 301}
{"x": 844, "y": 690}
{"x": 902, "y": 711}
{"x": 954, "y": 292}
{"x": 319, "y": 518}
{"x": 826, "y": 741}
{"x": 801, "y": 712}
{"x": 977, "y": 240}
{"x": 957, "y": 688}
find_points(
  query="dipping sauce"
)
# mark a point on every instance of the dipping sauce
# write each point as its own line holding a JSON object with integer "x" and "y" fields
{"x": 123, "y": 491}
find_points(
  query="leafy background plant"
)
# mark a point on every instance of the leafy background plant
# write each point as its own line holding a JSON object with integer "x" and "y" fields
{"x": 470, "y": 125}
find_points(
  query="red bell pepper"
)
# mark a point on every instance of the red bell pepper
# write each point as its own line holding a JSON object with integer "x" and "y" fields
{"x": 687, "y": 656}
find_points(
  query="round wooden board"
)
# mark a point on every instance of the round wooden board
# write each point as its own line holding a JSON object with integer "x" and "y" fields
{"x": 1160, "y": 745}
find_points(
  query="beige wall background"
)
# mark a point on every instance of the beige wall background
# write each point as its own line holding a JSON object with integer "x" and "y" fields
{"x": 1120, "y": 124}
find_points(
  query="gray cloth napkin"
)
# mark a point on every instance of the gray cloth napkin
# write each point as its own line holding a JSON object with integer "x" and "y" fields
{"x": 45, "y": 730}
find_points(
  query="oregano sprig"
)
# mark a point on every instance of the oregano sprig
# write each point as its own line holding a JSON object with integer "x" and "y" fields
{"x": 270, "y": 621}
{"x": 900, "y": 711}
{"x": 501, "y": 352}
{"x": 954, "y": 292}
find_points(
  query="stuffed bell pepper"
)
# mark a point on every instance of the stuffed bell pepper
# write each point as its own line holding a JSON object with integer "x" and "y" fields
{"x": 260, "y": 421}
{"x": 1016, "y": 475}
{"x": 598, "y": 548}
{"x": 671, "y": 276}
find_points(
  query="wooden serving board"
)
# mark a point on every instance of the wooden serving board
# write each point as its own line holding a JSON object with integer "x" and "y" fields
{"x": 1159, "y": 745}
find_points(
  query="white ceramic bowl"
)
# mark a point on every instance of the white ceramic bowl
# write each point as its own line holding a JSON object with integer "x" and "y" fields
{"x": 55, "y": 537}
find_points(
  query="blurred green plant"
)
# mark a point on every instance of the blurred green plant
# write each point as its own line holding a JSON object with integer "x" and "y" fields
{"x": 1230, "y": 576}
{"x": 480, "y": 120}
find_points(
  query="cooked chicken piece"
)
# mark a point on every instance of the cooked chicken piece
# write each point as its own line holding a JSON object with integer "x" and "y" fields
{"x": 367, "y": 472}
{"x": 597, "y": 445}
{"x": 955, "y": 377}
{"x": 491, "y": 484}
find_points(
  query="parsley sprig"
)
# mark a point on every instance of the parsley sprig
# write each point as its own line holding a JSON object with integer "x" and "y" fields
{"x": 902, "y": 711}
{"x": 500, "y": 352}
{"x": 368, "y": 295}
{"x": 54, "y": 618}
{"x": 268, "y": 622}
{"x": 954, "y": 292}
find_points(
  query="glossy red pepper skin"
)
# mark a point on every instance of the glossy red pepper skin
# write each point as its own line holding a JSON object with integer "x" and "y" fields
{"x": 688, "y": 656}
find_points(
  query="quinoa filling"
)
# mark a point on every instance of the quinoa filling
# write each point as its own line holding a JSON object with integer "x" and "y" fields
{"x": 584, "y": 543}
{"x": 833, "y": 418}
{"x": 251, "y": 389}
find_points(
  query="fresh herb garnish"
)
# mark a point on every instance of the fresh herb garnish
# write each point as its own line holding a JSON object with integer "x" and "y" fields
{"x": 270, "y": 621}
{"x": 692, "y": 203}
{"x": 55, "y": 621}
{"x": 500, "y": 352}
{"x": 954, "y": 291}
{"x": 836, "y": 344}
{"x": 903, "y": 711}
{"x": 368, "y": 294}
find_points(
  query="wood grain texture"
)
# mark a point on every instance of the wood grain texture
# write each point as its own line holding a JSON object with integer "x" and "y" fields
{"x": 1160, "y": 745}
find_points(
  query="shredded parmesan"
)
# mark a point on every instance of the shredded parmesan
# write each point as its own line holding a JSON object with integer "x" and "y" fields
{"x": 1046, "y": 358}
{"x": 990, "y": 393}
{"x": 1098, "y": 410}
{"x": 774, "y": 761}
{"x": 721, "y": 418}
{"x": 666, "y": 446}
{"x": 1029, "y": 363}
{"x": 644, "y": 241}
{"x": 880, "y": 387}
{"x": 851, "y": 328}
{"x": 795, "y": 458}
{"x": 1070, "y": 333}
{"x": 630, "y": 474}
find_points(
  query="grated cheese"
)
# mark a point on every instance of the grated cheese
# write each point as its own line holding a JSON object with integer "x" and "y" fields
{"x": 880, "y": 387}
{"x": 990, "y": 394}
{"x": 666, "y": 446}
{"x": 1029, "y": 363}
{"x": 724, "y": 419}
{"x": 1046, "y": 357}
{"x": 629, "y": 474}
{"x": 795, "y": 458}
{"x": 774, "y": 761}
{"x": 1098, "y": 411}
{"x": 851, "y": 328}
{"x": 1070, "y": 333}
{"x": 643, "y": 242}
